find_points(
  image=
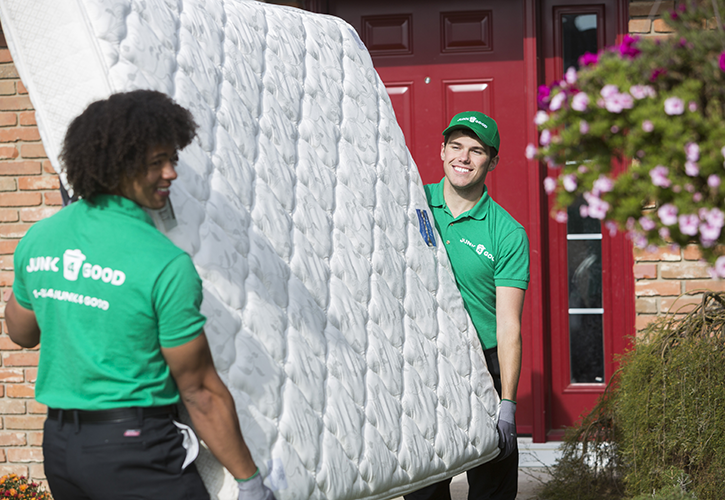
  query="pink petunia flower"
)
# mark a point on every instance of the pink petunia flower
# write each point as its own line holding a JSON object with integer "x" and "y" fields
{"x": 598, "y": 208}
{"x": 612, "y": 227}
{"x": 603, "y": 185}
{"x": 697, "y": 197}
{"x": 647, "y": 223}
{"x": 545, "y": 137}
{"x": 692, "y": 169}
{"x": 530, "y": 152}
{"x": 714, "y": 217}
{"x": 692, "y": 106}
{"x": 570, "y": 76}
{"x": 580, "y": 101}
{"x": 583, "y": 127}
{"x": 549, "y": 185}
{"x": 542, "y": 96}
{"x": 614, "y": 129}
{"x": 557, "y": 101}
{"x": 648, "y": 126}
{"x": 642, "y": 91}
{"x": 667, "y": 214}
{"x": 656, "y": 73}
{"x": 588, "y": 59}
{"x": 720, "y": 262}
{"x": 659, "y": 176}
{"x": 688, "y": 224}
{"x": 692, "y": 151}
{"x": 674, "y": 106}
{"x": 583, "y": 211}
{"x": 713, "y": 181}
{"x": 569, "y": 182}
{"x": 638, "y": 239}
{"x": 664, "y": 233}
{"x": 722, "y": 61}
{"x": 628, "y": 49}
{"x": 709, "y": 234}
{"x": 561, "y": 216}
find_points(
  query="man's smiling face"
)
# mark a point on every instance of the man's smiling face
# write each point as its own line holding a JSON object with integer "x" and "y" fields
{"x": 466, "y": 161}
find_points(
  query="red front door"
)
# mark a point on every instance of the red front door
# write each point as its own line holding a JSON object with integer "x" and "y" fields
{"x": 440, "y": 58}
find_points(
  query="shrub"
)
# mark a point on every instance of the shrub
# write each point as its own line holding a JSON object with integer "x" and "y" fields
{"x": 14, "y": 487}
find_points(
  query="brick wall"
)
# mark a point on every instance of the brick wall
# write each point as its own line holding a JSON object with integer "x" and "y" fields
{"x": 661, "y": 277}
{"x": 28, "y": 193}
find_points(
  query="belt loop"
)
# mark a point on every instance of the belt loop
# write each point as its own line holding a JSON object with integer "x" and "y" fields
{"x": 76, "y": 421}
{"x": 60, "y": 419}
{"x": 139, "y": 413}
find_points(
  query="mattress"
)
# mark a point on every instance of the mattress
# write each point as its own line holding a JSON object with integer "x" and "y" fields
{"x": 333, "y": 315}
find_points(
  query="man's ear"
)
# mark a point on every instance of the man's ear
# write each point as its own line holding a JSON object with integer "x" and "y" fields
{"x": 492, "y": 164}
{"x": 443, "y": 151}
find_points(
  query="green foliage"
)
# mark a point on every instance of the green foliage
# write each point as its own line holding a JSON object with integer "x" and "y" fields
{"x": 660, "y": 104}
{"x": 659, "y": 430}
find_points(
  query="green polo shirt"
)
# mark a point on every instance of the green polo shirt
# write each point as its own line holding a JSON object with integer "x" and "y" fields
{"x": 108, "y": 291}
{"x": 487, "y": 249}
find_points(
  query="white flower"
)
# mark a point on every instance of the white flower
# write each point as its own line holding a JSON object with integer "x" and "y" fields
{"x": 674, "y": 106}
{"x": 561, "y": 216}
{"x": 541, "y": 117}
{"x": 557, "y": 101}
{"x": 648, "y": 126}
{"x": 667, "y": 214}
{"x": 569, "y": 182}
{"x": 691, "y": 168}
{"x": 549, "y": 185}
{"x": 603, "y": 185}
{"x": 720, "y": 266}
{"x": 545, "y": 137}
{"x": 580, "y": 101}
{"x": 642, "y": 91}
{"x": 692, "y": 150}
{"x": 583, "y": 127}
{"x": 530, "y": 151}
{"x": 570, "y": 76}
{"x": 609, "y": 90}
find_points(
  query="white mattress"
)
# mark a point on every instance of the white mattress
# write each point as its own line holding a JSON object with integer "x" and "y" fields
{"x": 341, "y": 335}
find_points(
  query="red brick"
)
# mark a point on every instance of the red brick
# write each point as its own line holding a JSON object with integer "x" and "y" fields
{"x": 6, "y": 277}
{"x": 684, "y": 270}
{"x": 646, "y": 305}
{"x": 25, "y": 454}
{"x": 20, "y": 167}
{"x": 661, "y": 26}
{"x": 2, "y": 394}
{"x": 13, "y": 438}
{"x": 8, "y": 215}
{"x": 3, "y": 458}
{"x": 37, "y": 213}
{"x": 6, "y": 264}
{"x": 5, "y": 56}
{"x": 655, "y": 288}
{"x": 48, "y": 167}
{"x": 34, "y": 150}
{"x": 13, "y": 230}
{"x": 11, "y": 375}
{"x": 20, "y": 199}
{"x": 12, "y": 407}
{"x": 8, "y": 71}
{"x": 34, "y": 422}
{"x": 15, "y": 103}
{"x": 8, "y": 246}
{"x": 21, "y": 88}
{"x": 20, "y": 470}
{"x": 20, "y": 391}
{"x": 692, "y": 252}
{"x": 8, "y": 119}
{"x": 37, "y": 472}
{"x": 680, "y": 305}
{"x": 35, "y": 438}
{"x": 20, "y": 359}
{"x": 702, "y": 285}
{"x": 8, "y": 345}
{"x": 38, "y": 408}
{"x": 27, "y": 118}
{"x": 16, "y": 134}
{"x": 7, "y": 87}
{"x": 54, "y": 199}
{"x": 643, "y": 320}
{"x": 8, "y": 184}
{"x": 8, "y": 153}
{"x": 645, "y": 271}
{"x": 667, "y": 254}
{"x": 640, "y": 26}
{"x": 31, "y": 375}
{"x": 38, "y": 182}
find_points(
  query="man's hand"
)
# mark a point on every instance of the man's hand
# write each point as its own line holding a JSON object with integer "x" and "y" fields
{"x": 506, "y": 429}
{"x": 254, "y": 489}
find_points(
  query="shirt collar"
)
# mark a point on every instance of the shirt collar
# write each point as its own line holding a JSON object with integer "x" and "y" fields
{"x": 119, "y": 204}
{"x": 478, "y": 211}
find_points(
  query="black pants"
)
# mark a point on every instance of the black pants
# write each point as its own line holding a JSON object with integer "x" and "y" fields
{"x": 495, "y": 480}
{"x": 133, "y": 459}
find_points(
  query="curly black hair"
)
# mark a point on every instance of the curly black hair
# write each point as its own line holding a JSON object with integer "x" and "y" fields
{"x": 110, "y": 139}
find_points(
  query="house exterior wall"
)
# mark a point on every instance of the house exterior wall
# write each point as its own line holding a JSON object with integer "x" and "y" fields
{"x": 29, "y": 192}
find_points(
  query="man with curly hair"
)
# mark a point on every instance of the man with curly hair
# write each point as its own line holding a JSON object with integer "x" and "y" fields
{"x": 117, "y": 306}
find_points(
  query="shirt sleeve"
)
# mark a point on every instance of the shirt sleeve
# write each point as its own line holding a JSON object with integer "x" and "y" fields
{"x": 177, "y": 297}
{"x": 19, "y": 290}
{"x": 512, "y": 268}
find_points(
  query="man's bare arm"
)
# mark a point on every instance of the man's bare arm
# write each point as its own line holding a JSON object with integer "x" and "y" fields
{"x": 22, "y": 325}
{"x": 509, "y": 306}
{"x": 210, "y": 405}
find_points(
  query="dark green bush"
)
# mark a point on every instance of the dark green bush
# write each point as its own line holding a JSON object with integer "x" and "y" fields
{"x": 660, "y": 426}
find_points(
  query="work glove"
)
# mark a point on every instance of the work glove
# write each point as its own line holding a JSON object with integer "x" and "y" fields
{"x": 254, "y": 489}
{"x": 506, "y": 428}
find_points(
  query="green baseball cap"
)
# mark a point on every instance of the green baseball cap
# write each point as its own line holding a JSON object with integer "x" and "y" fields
{"x": 483, "y": 126}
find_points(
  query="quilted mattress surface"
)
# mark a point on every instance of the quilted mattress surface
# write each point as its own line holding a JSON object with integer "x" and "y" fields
{"x": 340, "y": 332}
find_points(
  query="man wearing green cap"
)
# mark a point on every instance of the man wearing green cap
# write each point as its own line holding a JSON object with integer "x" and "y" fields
{"x": 489, "y": 254}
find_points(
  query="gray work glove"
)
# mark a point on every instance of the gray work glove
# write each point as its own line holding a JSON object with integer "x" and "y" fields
{"x": 254, "y": 489}
{"x": 506, "y": 428}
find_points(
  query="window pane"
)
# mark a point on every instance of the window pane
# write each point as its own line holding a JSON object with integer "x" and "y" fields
{"x": 586, "y": 348}
{"x": 579, "y": 36}
{"x": 578, "y": 224}
{"x": 585, "y": 273}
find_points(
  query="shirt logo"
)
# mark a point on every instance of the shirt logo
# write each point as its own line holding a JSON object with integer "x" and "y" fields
{"x": 73, "y": 264}
{"x": 472, "y": 119}
{"x": 479, "y": 249}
